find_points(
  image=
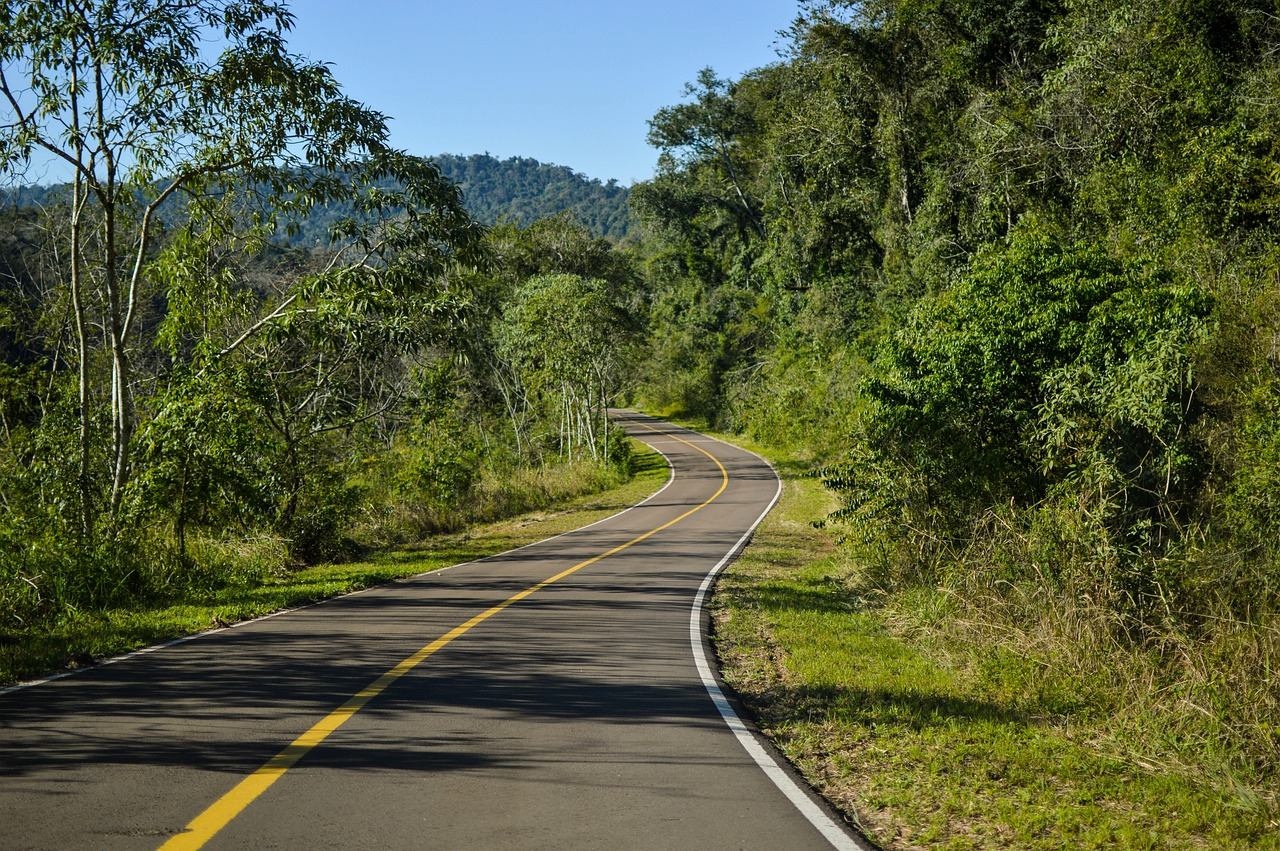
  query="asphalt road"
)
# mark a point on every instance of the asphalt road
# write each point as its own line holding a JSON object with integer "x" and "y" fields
{"x": 574, "y": 716}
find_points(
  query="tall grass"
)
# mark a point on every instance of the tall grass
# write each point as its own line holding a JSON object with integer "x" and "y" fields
{"x": 57, "y": 614}
{"x": 998, "y": 698}
{"x": 50, "y": 576}
{"x": 1190, "y": 688}
{"x": 414, "y": 514}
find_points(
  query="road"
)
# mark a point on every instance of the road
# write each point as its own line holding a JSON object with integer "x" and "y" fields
{"x": 549, "y": 697}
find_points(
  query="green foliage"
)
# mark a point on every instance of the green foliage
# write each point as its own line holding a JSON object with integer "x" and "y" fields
{"x": 440, "y": 477}
{"x": 203, "y": 457}
{"x": 131, "y": 100}
{"x": 1053, "y": 363}
{"x": 559, "y": 245}
{"x": 1011, "y": 264}
{"x": 519, "y": 189}
{"x": 1066, "y": 736}
{"x": 240, "y": 578}
{"x": 1252, "y": 504}
{"x": 569, "y": 344}
{"x": 272, "y": 392}
{"x": 1047, "y": 373}
{"x": 494, "y": 192}
{"x": 961, "y": 391}
{"x": 187, "y": 406}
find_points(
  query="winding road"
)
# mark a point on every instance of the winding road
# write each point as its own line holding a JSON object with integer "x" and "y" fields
{"x": 556, "y": 696}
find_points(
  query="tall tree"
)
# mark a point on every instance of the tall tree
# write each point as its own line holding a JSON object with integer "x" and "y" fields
{"x": 706, "y": 134}
{"x": 570, "y": 344}
{"x": 126, "y": 96}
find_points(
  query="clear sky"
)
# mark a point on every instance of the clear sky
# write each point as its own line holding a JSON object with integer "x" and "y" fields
{"x": 570, "y": 82}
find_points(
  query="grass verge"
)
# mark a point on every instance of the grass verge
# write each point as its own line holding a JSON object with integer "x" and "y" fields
{"x": 929, "y": 742}
{"x": 79, "y": 638}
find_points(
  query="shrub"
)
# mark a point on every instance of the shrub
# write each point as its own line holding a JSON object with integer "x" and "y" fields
{"x": 1050, "y": 373}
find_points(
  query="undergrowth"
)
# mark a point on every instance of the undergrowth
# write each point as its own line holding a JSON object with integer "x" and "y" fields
{"x": 224, "y": 581}
{"x": 969, "y": 710}
{"x": 415, "y": 510}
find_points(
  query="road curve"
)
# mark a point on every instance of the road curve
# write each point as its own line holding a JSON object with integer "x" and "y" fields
{"x": 549, "y": 697}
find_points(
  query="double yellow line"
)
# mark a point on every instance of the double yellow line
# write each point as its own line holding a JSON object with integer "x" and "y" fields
{"x": 206, "y": 825}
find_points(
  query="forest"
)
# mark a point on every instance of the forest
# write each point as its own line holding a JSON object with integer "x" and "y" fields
{"x": 494, "y": 191}
{"x": 1004, "y": 273}
{"x": 519, "y": 189}
{"x": 1008, "y": 270}
{"x": 191, "y": 401}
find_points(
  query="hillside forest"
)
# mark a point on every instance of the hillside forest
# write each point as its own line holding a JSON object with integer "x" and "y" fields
{"x": 511, "y": 191}
{"x": 1005, "y": 273}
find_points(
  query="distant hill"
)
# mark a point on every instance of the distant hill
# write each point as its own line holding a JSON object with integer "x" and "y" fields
{"x": 34, "y": 196}
{"x": 525, "y": 190}
{"x": 517, "y": 189}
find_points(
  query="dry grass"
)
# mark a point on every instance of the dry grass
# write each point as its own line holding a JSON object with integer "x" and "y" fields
{"x": 993, "y": 714}
{"x": 237, "y": 580}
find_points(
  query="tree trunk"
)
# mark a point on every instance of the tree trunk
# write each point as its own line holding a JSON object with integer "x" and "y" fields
{"x": 82, "y": 344}
{"x": 79, "y": 197}
{"x": 121, "y": 403}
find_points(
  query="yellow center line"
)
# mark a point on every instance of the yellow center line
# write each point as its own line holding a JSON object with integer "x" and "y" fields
{"x": 205, "y": 826}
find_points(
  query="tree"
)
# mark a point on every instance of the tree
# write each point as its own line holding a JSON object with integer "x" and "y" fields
{"x": 571, "y": 345}
{"x": 314, "y": 352}
{"x": 125, "y": 96}
{"x": 1047, "y": 366}
{"x": 707, "y": 134}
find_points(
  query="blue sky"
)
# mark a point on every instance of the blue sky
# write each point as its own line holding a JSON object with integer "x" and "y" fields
{"x": 569, "y": 82}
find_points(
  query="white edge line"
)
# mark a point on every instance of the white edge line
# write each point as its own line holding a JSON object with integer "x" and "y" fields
{"x": 671, "y": 477}
{"x": 824, "y": 824}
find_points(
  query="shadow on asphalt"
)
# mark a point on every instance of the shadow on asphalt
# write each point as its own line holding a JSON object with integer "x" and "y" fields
{"x": 517, "y": 672}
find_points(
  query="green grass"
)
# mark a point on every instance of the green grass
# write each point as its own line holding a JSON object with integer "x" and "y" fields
{"x": 80, "y": 638}
{"x": 925, "y": 741}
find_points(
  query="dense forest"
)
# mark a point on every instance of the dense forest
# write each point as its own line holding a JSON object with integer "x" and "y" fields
{"x": 1008, "y": 271}
{"x": 186, "y": 399}
{"x": 519, "y": 189}
{"x": 1011, "y": 269}
{"x": 494, "y": 191}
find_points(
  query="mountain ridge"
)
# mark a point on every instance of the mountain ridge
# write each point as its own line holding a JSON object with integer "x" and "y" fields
{"x": 523, "y": 190}
{"x": 516, "y": 189}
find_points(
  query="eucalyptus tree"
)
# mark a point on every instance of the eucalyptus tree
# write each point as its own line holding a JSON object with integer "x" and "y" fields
{"x": 302, "y": 368}
{"x": 571, "y": 346}
{"x": 144, "y": 103}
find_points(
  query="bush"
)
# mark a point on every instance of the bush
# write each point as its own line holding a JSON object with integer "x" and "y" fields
{"x": 1050, "y": 375}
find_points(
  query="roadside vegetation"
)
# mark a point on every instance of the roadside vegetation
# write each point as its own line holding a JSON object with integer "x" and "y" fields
{"x": 1004, "y": 273}
{"x": 931, "y": 725}
{"x": 191, "y": 409}
{"x": 533, "y": 506}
